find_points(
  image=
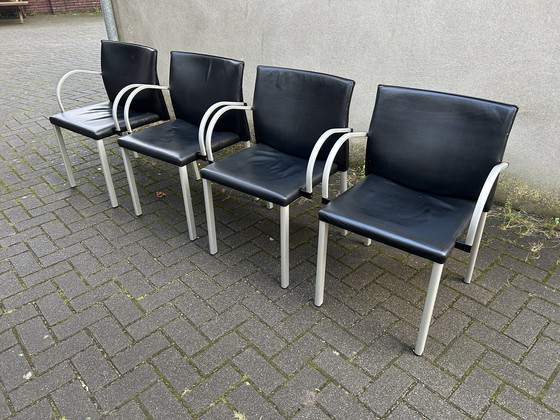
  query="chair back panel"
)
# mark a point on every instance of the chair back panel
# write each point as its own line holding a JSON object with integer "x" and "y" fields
{"x": 292, "y": 108}
{"x": 123, "y": 64}
{"x": 197, "y": 81}
{"x": 436, "y": 142}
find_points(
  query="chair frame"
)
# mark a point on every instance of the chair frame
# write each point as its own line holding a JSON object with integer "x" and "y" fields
{"x": 471, "y": 243}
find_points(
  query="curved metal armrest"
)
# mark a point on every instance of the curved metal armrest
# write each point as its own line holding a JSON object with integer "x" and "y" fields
{"x": 330, "y": 159}
{"x": 130, "y": 98}
{"x": 209, "y": 112}
{"x": 313, "y": 157}
{"x": 117, "y": 101}
{"x": 481, "y": 202}
{"x": 213, "y": 122}
{"x": 63, "y": 79}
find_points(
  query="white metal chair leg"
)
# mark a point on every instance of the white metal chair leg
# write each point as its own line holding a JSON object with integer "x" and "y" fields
{"x": 284, "y": 246}
{"x": 343, "y": 187}
{"x": 187, "y": 201}
{"x": 321, "y": 263}
{"x": 107, "y": 173}
{"x": 64, "y": 153}
{"x": 475, "y": 247}
{"x": 210, "y": 221}
{"x": 435, "y": 278}
{"x": 131, "y": 181}
{"x": 247, "y": 144}
{"x": 269, "y": 205}
{"x": 367, "y": 241}
{"x": 136, "y": 155}
{"x": 196, "y": 171}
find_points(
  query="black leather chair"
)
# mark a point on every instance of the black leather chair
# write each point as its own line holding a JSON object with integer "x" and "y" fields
{"x": 297, "y": 118}
{"x": 200, "y": 86}
{"x": 432, "y": 162}
{"x": 123, "y": 67}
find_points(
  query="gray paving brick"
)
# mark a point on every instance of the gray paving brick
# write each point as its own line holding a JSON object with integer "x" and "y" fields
{"x": 163, "y": 296}
{"x": 544, "y": 308}
{"x": 512, "y": 373}
{"x": 10, "y": 285}
{"x": 300, "y": 390}
{"x": 431, "y": 405}
{"x": 212, "y": 388}
{"x": 427, "y": 373}
{"x": 342, "y": 371}
{"x": 259, "y": 370}
{"x": 299, "y": 353}
{"x": 340, "y": 405}
{"x": 249, "y": 403}
{"x": 125, "y": 387}
{"x": 135, "y": 284}
{"x": 460, "y": 356}
{"x": 184, "y": 335}
{"x": 4, "y": 409}
{"x": 7, "y": 340}
{"x": 296, "y": 324}
{"x": 219, "y": 411}
{"x": 28, "y": 295}
{"x": 123, "y": 309}
{"x": 61, "y": 351}
{"x": 497, "y": 413}
{"x": 523, "y": 406}
{"x": 473, "y": 394}
{"x": 265, "y": 309}
{"x": 526, "y": 327}
{"x": 496, "y": 341}
{"x": 151, "y": 322}
{"x": 311, "y": 412}
{"x": 79, "y": 321}
{"x": 262, "y": 337}
{"x": 194, "y": 308}
{"x": 379, "y": 354}
{"x": 109, "y": 335}
{"x": 140, "y": 351}
{"x": 386, "y": 390}
{"x": 94, "y": 296}
{"x": 509, "y": 300}
{"x": 161, "y": 403}
{"x": 14, "y": 367}
{"x": 34, "y": 335}
{"x": 225, "y": 322}
{"x": 41, "y": 386}
{"x": 543, "y": 358}
{"x": 215, "y": 355}
{"x": 128, "y": 411}
{"x": 53, "y": 308}
{"x": 40, "y": 411}
{"x": 176, "y": 370}
{"x": 482, "y": 313}
{"x": 338, "y": 337}
{"x": 73, "y": 402}
{"x": 94, "y": 369}
{"x": 404, "y": 412}
{"x": 551, "y": 397}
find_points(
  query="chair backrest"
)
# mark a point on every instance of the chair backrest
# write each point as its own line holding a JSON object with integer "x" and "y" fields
{"x": 123, "y": 64}
{"x": 197, "y": 81}
{"x": 292, "y": 108}
{"x": 436, "y": 142}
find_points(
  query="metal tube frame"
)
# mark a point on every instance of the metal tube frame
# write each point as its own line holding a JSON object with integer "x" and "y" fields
{"x": 206, "y": 117}
{"x": 214, "y": 120}
{"x": 187, "y": 201}
{"x": 64, "y": 153}
{"x": 475, "y": 247}
{"x": 284, "y": 246}
{"x": 130, "y": 98}
{"x": 210, "y": 219}
{"x": 321, "y": 263}
{"x": 63, "y": 79}
{"x": 131, "y": 181}
{"x": 435, "y": 278}
{"x": 107, "y": 172}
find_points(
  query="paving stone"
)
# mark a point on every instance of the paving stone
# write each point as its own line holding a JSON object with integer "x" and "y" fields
{"x": 379, "y": 354}
{"x": 176, "y": 370}
{"x": 251, "y": 404}
{"x": 481, "y": 313}
{"x": 28, "y": 295}
{"x": 230, "y": 296}
{"x": 296, "y": 324}
{"x": 194, "y": 308}
{"x": 403, "y": 412}
{"x": 61, "y": 351}
{"x": 523, "y": 406}
{"x": 109, "y": 335}
{"x": 14, "y": 367}
{"x": 163, "y": 296}
{"x": 211, "y": 389}
{"x": 4, "y": 409}
{"x": 259, "y": 370}
{"x": 41, "y": 410}
{"x": 151, "y": 322}
{"x": 265, "y": 309}
{"x": 551, "y": 397}
{"x": 94, "y": 369}
{"x": 262, "y": 337}
{"x": 128, "y": 411}
{"x": 41, "y": 386}
{"x": 513, "y": 374}
{"x": 311, "y": 412}
{"x": 123, "y": 309}
{"x": 496, "y": 341}
{"x": 53, "y": 308}
{"x": 509, "y": 300}
{"x": 427, "y": 373}
{"x": 7, "y": 340}
{"x": 94, "y": 296}
{"x": 299, "y": 391}
{"x": 225, "y": 322}
{"x": 473, "y": 394}
{"x": 216, "y": 354}
{"x": 342, "y": 371}
{"x": 340, "y": 405}
{"x": 497, "y": 413}
{"x": 35, "y": 336}
{"x": 386, "y": 390}
{"x": 460, "y": 356}
{"x": 201, "y": 284}
{"x": 161, "y": 403}
{"x": 125, "y": 387}
{"x": 72, "y": 402}
{"x": 299, "y": 353}
{"x": 338, "y": 338}
{"x": 432, "y": 405}
{"x": 140, "y": 351}
{"x": 219, "y": 411}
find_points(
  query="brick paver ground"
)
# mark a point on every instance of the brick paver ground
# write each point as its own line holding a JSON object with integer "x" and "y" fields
{"x": 103, "y": 314}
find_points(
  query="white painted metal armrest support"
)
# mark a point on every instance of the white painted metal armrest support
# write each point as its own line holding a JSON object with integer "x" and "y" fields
{"x": 315, "y": 152}
{"x": 213, "y": 122}
{"x": 129, "y": 100}
{"x": 209, "y": 112}
{"x": 330, "y": 159}
{"x": 118, "y": 100}
{"x": 481, "y": 202}
{"x": 63, "y": 79}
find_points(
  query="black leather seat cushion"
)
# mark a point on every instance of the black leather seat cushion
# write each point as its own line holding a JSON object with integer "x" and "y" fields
{"x": 423, "y": 224}
{"x": 96, "y": 121}
{"x": 264, "y": 172}
{"x": 174, "y": 141}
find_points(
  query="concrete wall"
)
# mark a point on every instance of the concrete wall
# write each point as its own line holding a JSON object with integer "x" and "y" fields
{"x": 504, "y": 50}
{"x": 54, "y": 6}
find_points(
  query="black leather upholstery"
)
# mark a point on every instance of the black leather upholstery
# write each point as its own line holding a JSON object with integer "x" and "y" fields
{"x": 436, "y": 142}
{"x": 292, "y": 108}
{"x": 426, "y": 225}
{"x": 197, "y": 81}
{"x": 96, "y": 121}
{"x": 174, "y": 142}
{"x": 264, "y": 172}
{"x": 428, "y": 155}
{"x": 121, "y": 64}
